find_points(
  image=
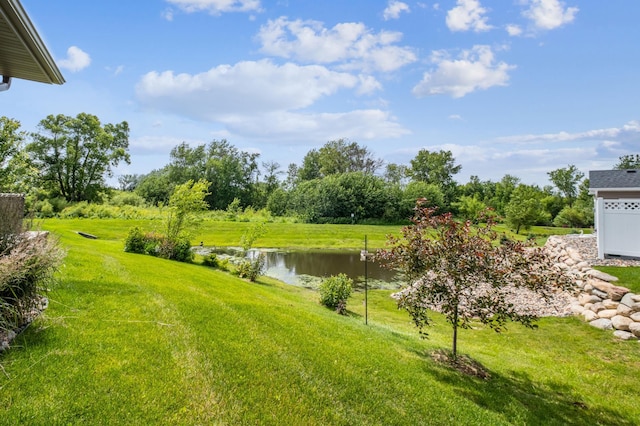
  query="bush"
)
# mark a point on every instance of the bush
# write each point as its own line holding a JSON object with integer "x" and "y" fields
{"x": 135, "y": 242}
{"x": 251, "y": 269}
{"x": 335, "y": 291}
{"x": 127, "y": 199}
{"x": 158, "y": 245}
{"x": 210, "y": 260}
{"x": 26, "y": 269}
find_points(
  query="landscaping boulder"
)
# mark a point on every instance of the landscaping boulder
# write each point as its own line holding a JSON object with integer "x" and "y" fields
{"x": 621, "y": 322}
{"x": 602, "y": 324}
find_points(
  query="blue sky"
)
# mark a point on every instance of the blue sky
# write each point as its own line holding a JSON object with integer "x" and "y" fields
{"x": 512, "y": 86}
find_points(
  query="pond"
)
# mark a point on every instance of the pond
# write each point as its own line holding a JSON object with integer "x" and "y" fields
{"x": 307, "y": 268}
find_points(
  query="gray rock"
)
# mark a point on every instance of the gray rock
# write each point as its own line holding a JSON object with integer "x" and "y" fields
{"x": 588, "y": 287}
{"x": 601, "y": 294}
{"x": 635, "y": 316}
{"x": 602, "y": 324}
{"x": 635, "y": 297}
{"x": 621, "y": 322}
{"x": 610, "y": 304}
{"x": 588, "y": 298}
{"x": 597, "y": 307}
{"x": 623, "y": 310}
{"x": 624, "y": 335}
{"x": 627, "y": 299}
{"x": 602, "y": 276}
{"x": 634, "y": 327}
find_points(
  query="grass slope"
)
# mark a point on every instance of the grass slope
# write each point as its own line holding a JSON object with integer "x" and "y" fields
{"x": 131, "y": 339}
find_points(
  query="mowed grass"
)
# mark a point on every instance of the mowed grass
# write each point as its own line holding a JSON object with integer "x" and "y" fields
{"x": 131, "y": 339}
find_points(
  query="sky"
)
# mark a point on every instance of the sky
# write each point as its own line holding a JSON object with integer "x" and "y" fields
{"x": 519, "y": 87}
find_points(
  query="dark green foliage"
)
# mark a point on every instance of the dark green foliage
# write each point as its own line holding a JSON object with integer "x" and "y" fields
{"x": 135, "y": 241}
{"x": 335, "y": 291}
{"x": 158, "y": 245}
{"x": 629, "y": 161}
{"x": 76, "y": 154}
{"x": 211, "y": 260}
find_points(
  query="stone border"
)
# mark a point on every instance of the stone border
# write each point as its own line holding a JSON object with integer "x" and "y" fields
{"x": 601, "y": 303}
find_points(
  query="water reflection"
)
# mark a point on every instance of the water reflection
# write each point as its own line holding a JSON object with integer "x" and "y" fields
{"x": 308, "y": 268}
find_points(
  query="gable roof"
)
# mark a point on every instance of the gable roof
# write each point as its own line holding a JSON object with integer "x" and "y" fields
{"x": 22, "y": 51}
{"x": 614, "y": 179}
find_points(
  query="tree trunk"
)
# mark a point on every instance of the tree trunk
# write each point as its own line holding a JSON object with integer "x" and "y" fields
{"x": 455, "y": 334}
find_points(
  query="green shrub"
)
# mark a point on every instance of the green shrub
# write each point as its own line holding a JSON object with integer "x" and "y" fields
{"x": 46, "y": 209}
{"x": 158, "y": 245}
{"x": 210, "y": 260}
{"x": 335, "y": 291}
{"x": 251, "y": 269}
{"x": 127, "y": 199}
{"x": 135, "y": 242}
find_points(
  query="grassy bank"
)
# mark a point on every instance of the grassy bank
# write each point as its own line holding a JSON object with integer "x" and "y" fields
{"x": 131, "y": 339}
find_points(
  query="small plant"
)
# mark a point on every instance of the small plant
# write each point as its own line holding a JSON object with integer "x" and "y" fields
{"x": 335, "y": 291}
{"x": 211, "y": 260}
{"x": 251, "y": 269}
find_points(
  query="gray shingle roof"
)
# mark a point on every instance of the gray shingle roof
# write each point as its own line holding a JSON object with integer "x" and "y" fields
{"x": 603, "y": 179}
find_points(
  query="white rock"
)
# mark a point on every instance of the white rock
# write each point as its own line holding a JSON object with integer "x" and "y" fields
{"x": 634, "y": 327}
{"x": 607, "y": 313}
{"x": 610, "y": 304}
{"x": 587, "y": 287}
{"x": 620, "y": 322}
{"x": 583, "y": 266}
{"x": 577, "y": 308}
{"x": 635, "y": 316}
{"x": 597, "y": 307}
{"x": 635, "y": 297}
{"x": 624, "y": 335}
{"x": 589, "y": 315}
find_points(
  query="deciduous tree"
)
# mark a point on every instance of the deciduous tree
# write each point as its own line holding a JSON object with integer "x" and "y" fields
{"x": 460, "y": 271}
{"x": 630, "y": 161}
{"x": 566, "y": 180}
{"x": 76, "y": 154}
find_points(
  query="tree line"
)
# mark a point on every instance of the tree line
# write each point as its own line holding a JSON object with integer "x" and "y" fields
{"x": 68, "y": 159}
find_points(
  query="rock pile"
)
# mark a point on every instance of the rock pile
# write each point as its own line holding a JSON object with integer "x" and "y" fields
{"x": 599, "y": 301}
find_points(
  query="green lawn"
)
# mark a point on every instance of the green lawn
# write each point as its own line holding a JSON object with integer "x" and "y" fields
{"x": 132, "y": 339}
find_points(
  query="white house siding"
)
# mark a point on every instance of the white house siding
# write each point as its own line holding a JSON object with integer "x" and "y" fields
{"x": 621, "y": 220}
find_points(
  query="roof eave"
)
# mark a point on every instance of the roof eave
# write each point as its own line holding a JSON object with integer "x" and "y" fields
{"x": 16, "y": 16}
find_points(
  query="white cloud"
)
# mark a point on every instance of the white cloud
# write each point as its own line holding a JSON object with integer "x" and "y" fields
{"x": 549, "y": 14}
{"x": 246, "y": 87}
{"x": 628, "y": 134}
{"x": 265, "y": 101}
{"x": 293, "y": 127}
{"x": 215, "y": 7}
{"x": 455, "y": 117}
{"x": 349, "y": 45}
{"x": 76, "y": 60}
{"x": 475, "y": 69}
{"x": 513, "y": 30}
{"x": 394, "y": 9}
{"x": 468, "y": 15}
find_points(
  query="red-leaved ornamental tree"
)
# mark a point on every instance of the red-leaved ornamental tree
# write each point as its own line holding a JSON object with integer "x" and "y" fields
{"x": 466, "y": 274}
